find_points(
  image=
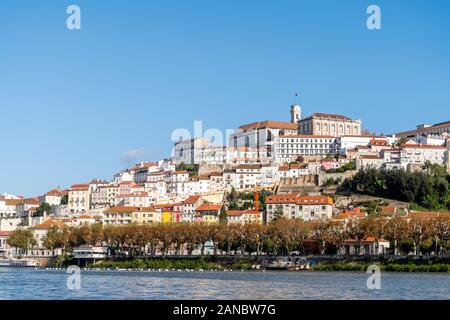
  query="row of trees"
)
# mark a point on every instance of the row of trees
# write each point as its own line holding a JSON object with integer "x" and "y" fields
{"x": 428, "y": 189}
{"x": 417, "y": 236}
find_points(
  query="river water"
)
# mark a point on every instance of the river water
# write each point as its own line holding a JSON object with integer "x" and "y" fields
{"x": 16, "y": 283}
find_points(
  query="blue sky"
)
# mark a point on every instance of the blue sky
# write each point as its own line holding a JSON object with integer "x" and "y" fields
{"x": 75, "y": 104}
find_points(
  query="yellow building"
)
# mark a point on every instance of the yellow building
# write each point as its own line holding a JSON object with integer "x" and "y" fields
{"x": 126, "y": 215}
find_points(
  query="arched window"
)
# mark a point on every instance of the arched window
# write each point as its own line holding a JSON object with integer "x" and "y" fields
{"x": 247, "y": 141}
{"x": 341, "y": 129}
{"x": 318, "y": 126}
{"x": 325, "y": 128}
{"x": 333, "y": 128}
{"x": 348, "y": 129}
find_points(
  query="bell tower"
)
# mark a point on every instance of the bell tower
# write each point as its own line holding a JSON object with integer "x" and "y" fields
{"x": 296, "y": 111}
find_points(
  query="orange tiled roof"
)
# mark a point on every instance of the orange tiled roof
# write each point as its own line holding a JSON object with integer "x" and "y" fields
{"x": 191, "y": 200}
{"x": 209, "y": 207}
{"x": 50, "y": 223}
{"x": 80, "y": 186}
{"x": 54, "y": 193}
{"x": 13, "y": 202}
{"x": 270, "y": 124}
{"x": 31, "y": 201}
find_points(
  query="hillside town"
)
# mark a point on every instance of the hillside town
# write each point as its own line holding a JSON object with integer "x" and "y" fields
{"x": 268, "y": 170}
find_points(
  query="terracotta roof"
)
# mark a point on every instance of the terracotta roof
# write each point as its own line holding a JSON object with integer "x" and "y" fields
{"x": 354, "y": 213}
{"x": 314, "y": 200}
{"x": 80, "y": 186}
{"x": 270, "y": 124}
{"x": 282, "y": 198}
{"x": 31, "y": 201}
{"x": 54, "y": 193}
{"x": 13, "y": 202}
{"x": 6, "y": 233}
{"x": 143, "y": 165}
{"x": 209, "y": 207}
{"x": 379, "y": 142}
{"x": 191, "y": 200}
{"x": 235, "y": 212}
{"x": 50, "y": 223}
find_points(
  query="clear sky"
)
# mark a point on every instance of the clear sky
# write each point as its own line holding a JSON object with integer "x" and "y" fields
{"x": 83, "y": 104}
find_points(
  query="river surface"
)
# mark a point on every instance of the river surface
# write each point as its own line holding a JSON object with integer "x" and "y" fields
{"x": 16, "y": 283}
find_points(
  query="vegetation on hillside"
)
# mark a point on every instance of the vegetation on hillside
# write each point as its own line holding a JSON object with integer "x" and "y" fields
{"x": 427, "y": 189}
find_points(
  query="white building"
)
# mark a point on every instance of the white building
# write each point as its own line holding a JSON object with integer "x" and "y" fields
{"x": 369, "y": 162}
{"x": 25, "y": 205}
{"x": 188, "y": 208}
{"x": 436, "y": 129}
{"x": 295, "y": 206}
{"x": 289, "y": 148}
{"x": 185, "y": 151}
{"x": 260, "y": 136}
{"x": 248, "y": 176}
{"x": 350, "y": 142}
{"x": 269, "y": 174}
{"x": 53, "y": 197}
{"x": 79, "y": 198}
{"x": 419, "y": 154}
{"x": 8, "y": 207}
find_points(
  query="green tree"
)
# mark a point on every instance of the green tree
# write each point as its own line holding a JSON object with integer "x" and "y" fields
{"x": 43, "y": 207}
{"x": 223, "y": 216}
{"x": 278, "y": 214}
{"x": 65, "y": 200}
{"x": 22, "y": 239}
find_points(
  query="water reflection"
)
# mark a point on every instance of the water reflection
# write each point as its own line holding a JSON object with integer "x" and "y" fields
{"x": 47, "y": 284}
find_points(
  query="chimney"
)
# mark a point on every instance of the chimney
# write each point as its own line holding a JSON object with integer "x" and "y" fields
{"x": 256, "y": 201}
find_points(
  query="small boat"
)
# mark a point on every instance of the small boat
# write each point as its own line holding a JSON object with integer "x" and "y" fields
{"x": 19, "y": 263}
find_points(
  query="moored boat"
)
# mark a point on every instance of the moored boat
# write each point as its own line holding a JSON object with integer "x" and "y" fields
{"x": 19, "y": 263}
